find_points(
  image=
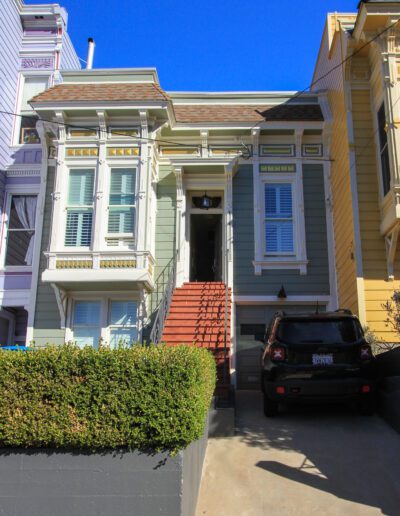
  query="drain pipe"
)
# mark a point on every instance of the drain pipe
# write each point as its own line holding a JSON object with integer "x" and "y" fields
{"x": 90, "y": 54}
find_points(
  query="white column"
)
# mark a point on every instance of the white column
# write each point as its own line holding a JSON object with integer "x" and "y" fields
{"x": 258, "y": 252}
{"x": 141, "y": 223}
{"x": 100, "y": 213}
{"x": 60, "y": 191}
{"x": 181, "y": 272}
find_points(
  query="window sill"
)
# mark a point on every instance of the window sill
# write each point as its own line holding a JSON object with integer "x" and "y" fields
{"x": 280, "y": 263}
{"x": 27, "y": 269}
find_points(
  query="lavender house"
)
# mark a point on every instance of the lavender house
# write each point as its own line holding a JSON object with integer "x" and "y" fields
{"x": 34, "y": 49}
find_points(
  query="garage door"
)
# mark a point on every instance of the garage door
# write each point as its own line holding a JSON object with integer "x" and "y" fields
{"x": 251, "y": 324}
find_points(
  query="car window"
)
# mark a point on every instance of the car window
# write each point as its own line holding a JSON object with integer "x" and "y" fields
{"x": 328, "y": 331}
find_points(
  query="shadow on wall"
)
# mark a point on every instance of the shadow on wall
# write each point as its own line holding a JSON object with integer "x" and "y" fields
{"x": 349, "y": 456}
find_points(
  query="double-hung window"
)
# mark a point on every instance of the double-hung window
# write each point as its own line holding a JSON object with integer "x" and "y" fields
{"x": 86, "y": 323}
{"x": 122, "y": 202}
{"x": 21, "y": 230}
{"x": 32, "y": 85}
{"x": 79, "y": 208}
{"x": 115, "y": 320}
{"x": 280, "y": 219}
{"x": 279, "y": 227}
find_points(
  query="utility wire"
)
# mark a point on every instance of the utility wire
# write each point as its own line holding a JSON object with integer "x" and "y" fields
{"x": 96, "y": 128}
{"x": 155, "y": 140}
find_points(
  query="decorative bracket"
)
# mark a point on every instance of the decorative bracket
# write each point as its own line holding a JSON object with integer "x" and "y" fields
{"x": 62, "y": 300}
{"x": 391, "y": 247}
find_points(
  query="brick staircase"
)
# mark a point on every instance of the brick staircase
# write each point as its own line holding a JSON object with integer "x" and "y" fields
{"x": 197, "y": 317}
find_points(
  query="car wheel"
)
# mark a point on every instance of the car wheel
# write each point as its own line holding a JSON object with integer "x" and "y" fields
{"x": 366, "y": 406}
{"x": 270, "y": 407}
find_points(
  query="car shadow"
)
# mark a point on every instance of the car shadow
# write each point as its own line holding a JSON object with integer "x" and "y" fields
{"x": 352, "y": 457}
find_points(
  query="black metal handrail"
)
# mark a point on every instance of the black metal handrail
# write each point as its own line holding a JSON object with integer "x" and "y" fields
{"x": 165, "y": 303}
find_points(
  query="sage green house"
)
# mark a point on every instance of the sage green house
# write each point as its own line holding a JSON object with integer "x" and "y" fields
{"x": 144, "y": 191}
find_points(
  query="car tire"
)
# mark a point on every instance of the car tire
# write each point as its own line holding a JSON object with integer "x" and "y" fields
{"x": 366, "y": 406}
{"x": 271, "y": 407}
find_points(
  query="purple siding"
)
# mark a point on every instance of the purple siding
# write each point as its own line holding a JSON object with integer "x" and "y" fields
{"x": 10, "y": 44}
{"x": 15, "y": 281}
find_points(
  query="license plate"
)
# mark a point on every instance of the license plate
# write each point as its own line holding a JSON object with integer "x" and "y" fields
{"x": 322, "y": 359}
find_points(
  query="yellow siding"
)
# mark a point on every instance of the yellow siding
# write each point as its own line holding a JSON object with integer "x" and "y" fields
{"x": 377, "y": 288}
{"x": 340, "y": 173}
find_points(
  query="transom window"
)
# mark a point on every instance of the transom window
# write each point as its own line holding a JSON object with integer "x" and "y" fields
{"x": 122, "y": 201}
{"x": 21, "y": 230}
{"x": 80, "y": 208}
{"x": 279, "y": 238}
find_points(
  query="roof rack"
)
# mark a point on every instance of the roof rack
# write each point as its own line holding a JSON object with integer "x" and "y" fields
{"x": 344, "y": 310}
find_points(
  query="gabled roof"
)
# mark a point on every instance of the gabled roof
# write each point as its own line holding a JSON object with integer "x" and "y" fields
{"x": 246, "y": 113}
{"x": 101, "y": 92}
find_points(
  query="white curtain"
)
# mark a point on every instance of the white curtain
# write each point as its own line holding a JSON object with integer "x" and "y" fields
{"x": 26, "y": 210}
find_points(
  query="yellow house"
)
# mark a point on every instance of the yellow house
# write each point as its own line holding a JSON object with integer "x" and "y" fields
{"x": 359, "y": 67}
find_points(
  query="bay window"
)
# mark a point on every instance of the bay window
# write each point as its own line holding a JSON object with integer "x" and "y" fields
{"x": 113, "y": 320}
{"x": 79, "y": 208}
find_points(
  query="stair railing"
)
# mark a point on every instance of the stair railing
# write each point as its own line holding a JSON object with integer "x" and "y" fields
{"x": 165, "y": 303}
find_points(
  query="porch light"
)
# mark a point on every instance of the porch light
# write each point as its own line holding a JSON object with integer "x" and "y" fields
{"x": 206, "y": 202}
{"x": 282, "y": 293}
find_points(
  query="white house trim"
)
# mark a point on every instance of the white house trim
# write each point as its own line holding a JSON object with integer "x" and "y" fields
{"x": 289, "y": 300}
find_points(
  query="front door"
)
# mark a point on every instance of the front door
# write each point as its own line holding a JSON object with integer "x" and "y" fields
{"x": 206, "y": 247}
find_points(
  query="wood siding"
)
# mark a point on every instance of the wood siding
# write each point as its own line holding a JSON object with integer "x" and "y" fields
{"x": 47, "y": 316}
{"x": 69, "y": 58}
{"x": 376, "y": 285}
{"x": 340, "y": 173}
{"x": 10, "y": 43}
{"x": 316, "y": 281}
{"x": 165, "y": 233}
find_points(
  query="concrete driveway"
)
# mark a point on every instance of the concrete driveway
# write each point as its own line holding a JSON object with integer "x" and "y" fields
{"x": 308, "y": 461}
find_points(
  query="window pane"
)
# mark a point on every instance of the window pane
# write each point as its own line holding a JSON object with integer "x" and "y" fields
{"x": 87, "y": 337}
{"x": 121, "y": 220}
{"x": 81, "y": 184}
{"x": 22, "y": 212}
{"x": 122, "y": 337}
{"x": 122, "y": 186}
{"x": 32, "y": 86}
{"x": 28, "y": 134}
{"x": 279, "y": 237}
{"x": 17, "y": 247}
{"x": 87, "y": 313}
{"x": 278, "y": 201}
{"x": 79, "y": 228}
{"x": 123, "y": 312}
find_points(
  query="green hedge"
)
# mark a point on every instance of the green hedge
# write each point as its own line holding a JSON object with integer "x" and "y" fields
{"x": 144, "y": 397}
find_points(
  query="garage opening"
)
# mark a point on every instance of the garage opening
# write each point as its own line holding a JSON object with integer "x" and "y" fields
{"x": 206, "y": 247}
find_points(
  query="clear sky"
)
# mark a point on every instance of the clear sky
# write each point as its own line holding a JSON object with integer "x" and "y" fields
{"x": 213, "y": 45}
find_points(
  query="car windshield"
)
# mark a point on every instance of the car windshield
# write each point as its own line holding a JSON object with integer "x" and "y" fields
{"x": 328, "y": 331}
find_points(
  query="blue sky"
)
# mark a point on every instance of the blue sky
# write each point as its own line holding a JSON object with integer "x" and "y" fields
{"x": 213, "y": 45}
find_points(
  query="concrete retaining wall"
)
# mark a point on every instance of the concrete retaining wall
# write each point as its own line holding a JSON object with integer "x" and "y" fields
{"x": 62, "y": 483}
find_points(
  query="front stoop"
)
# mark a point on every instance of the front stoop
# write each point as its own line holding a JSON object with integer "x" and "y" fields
{"x": 197, "y": 317}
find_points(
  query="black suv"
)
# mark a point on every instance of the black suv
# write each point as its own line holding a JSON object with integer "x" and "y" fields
{"x": 317, "y": 357}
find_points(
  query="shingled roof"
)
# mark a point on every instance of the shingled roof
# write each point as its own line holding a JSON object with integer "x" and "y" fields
{"x": 101, "y": 92}
{"x": 246, "y": 113}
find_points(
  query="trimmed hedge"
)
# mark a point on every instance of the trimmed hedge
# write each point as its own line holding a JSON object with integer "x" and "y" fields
{"x": 153, "y": 397}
